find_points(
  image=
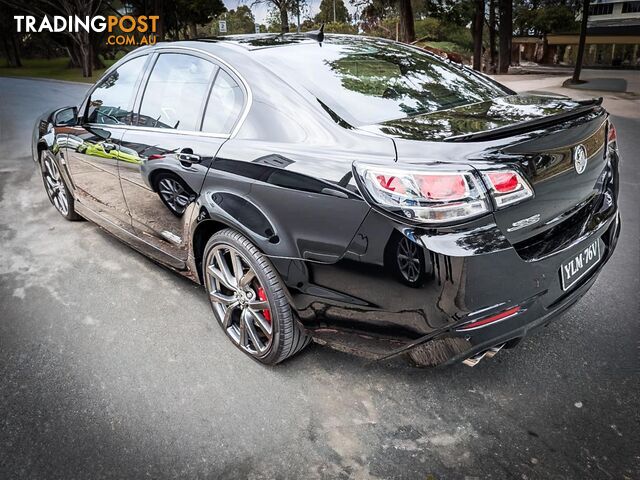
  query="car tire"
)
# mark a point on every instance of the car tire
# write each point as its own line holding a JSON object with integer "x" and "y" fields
{"x": 241, "y": 282}
{"x": 174, "y": 192}
{"x": 405, "y": 260}
{"x": 57, "y": 191}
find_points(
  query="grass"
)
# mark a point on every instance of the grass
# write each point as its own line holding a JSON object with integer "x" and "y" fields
{"x": 56, "y": 69}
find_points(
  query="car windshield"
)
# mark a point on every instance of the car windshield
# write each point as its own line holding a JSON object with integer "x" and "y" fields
{"x": 370, "y": 81}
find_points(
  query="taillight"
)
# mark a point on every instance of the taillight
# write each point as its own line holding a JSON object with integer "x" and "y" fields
{"x": 507, "y": 187}
{"x": 438, "y": 193}
{"x": 429, "y": 194}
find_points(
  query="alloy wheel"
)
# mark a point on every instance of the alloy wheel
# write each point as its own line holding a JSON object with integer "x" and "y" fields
{"x": 55, "y": 186}
{"x": 174, "y": 194}
{"x": 239, "y": 300}
{"x": 409, "y": 260}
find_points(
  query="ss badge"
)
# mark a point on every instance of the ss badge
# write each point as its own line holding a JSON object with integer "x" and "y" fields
{"x": 525, "y": 222}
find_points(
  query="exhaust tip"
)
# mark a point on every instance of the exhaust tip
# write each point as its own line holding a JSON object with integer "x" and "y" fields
{"x": 489, "y": 353}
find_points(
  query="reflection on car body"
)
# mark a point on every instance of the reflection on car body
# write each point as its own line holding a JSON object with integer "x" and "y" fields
{"x": 368, "y": 202}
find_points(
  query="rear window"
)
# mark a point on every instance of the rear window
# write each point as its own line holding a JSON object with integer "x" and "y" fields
{"x": 367, "y": 81}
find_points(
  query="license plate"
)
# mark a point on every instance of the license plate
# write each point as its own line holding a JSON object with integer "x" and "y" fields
{"x": 579, "y": 265}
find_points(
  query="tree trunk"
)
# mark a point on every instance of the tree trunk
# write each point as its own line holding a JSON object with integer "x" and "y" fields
{"x": 476, "y": 32}
{"x": 96, "y": 60}
{"x": 158, "y": 10}
{"x": 75, "y": 57}
{"x": 583, "y": 40}
{"x": 492, "y": 36}
{"x": 284, "y": 18}
{"x": 545, "y": 50}
{"x": 505, "y": 8}
{"x": 85, "y": 54}
{"x": 96, "y": 41}
{"x": 16, "y": 51}
{"x": 11, "y": 50}
{"x": 407, "y": 29}
{"x": 7, "y": 50}
{"x": 87, "y": 62}
{"x": 193, "y": 31}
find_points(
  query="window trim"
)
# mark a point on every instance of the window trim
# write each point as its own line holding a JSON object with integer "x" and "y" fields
{"x": 231, "y": 71}
{"x": 211, "y": 87}
{"x": 103, "y": 78}
{"x": 145, "y": 84}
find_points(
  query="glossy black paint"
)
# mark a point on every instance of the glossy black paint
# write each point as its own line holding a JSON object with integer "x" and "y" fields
{"x": 283, "y": 177}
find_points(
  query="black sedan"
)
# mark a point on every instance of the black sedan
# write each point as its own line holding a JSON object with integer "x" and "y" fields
{"x": 359, "y": 192}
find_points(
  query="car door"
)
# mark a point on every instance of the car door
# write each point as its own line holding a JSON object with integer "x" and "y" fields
{"x": 174, "y": 146}
{"x": 93, "y": 155}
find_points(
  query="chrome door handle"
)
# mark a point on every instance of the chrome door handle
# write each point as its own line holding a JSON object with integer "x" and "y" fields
{"x": 185, "y": 155}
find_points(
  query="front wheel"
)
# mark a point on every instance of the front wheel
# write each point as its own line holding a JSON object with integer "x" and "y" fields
{"x": 248, "y": 299}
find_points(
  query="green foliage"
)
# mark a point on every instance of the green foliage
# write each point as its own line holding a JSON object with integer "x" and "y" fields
{"x": 442, "y": 31}
{"x": 455, "y": 12}
{"x": 326, "y": 12}
{"x": 56, "y": 68}
{"x": 239, "y": 21}
{"x": 340, "y": 27}
{"x": 385, "y": 28}
{"x": 551, "y": 18}
{"x": 331, "y": 27}
{"x": 428, "y": 28}
{"x": 450, "y": 47}
{"x": 274, "y": 24}
{"x": 198, "y": 11}
{"x": 451, "y": 32}
{"x": 273, "y": 16}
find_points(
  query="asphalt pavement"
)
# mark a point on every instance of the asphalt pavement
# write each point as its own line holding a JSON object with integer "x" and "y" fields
{"x": 112, "y": 367}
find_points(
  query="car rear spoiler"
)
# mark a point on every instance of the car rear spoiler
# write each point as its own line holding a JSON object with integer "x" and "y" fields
{"x": 586, "y": 106}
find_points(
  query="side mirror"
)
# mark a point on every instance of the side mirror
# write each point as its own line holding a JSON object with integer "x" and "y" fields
{"x": 66, "y": 117}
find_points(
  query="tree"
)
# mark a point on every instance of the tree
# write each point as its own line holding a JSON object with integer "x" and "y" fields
{"x": 374, "y": 11}
{"x": 477, "y": 26}
{"x": 541, "y": 17}
{"x": 332, "y": 11}
{"x": 282, "y": 9}
{"x": 492, "y": 36}
{"x": 583, "y": 40}
{"x": 178, "y": 18}
{"x": 505, "y": 8}
{"x": 191, "y": 13}
{"x": 407, "y": 32}
{"x": 239, "y": 21}
{"x": 80, "y": 40}
{"x": 10, "y": 40}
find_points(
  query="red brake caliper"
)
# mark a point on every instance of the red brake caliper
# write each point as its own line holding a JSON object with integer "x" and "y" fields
{"x": 263, "y": 298}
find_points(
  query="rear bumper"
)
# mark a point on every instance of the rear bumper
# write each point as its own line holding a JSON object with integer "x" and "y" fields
{"x": 538, "y": 314}
{"x": 463, "y": 288}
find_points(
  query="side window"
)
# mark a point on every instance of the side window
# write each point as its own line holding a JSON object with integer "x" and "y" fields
{"x": 224, "y": 106}
{"x": 112, "y": 100}
{"x": 176, "y": 91}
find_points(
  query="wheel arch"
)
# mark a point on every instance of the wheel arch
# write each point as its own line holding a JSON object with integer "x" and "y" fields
{"x": 206, "y": 225}
{"x": 154, "y": 175}
{"x": 41, "y": 147}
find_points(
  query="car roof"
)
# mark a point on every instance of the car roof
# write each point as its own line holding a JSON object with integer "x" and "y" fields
{"x": 253, "y": 42}
{"x": 261, "y": 41}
